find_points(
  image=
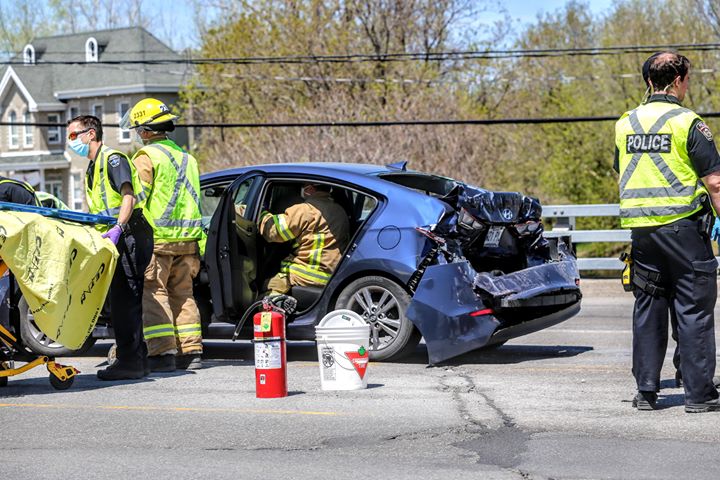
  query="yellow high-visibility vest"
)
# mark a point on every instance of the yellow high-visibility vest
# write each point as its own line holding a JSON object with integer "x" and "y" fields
{"x": 102, "y": 199}
{"x": 658, "y": 183}
{"x": 173, "y": 202}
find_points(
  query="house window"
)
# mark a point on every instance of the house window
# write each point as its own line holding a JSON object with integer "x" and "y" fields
{"x": 73, "y": 112}
{"x": 78, "y": 191}
{"x": 54, "y": 184}
{"x": 123, "y": 108}
{"x": 13, "y": 129}
{"x": 91, "y": 50}
{"x": 98, "y": 111}
{"x": 54, "y": 133}
{"x": 28, "y": 130}
{"x": 29, "y": 54}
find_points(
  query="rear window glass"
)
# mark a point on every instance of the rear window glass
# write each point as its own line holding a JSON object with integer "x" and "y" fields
{"x": 427, "y": 184}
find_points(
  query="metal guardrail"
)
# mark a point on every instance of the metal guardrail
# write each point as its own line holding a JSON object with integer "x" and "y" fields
{"x": 565, "y": 216}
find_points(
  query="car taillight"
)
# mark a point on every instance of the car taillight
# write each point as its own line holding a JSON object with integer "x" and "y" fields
{"x": 479, "y": 313}
{"x": 468, "y": 221}
{"x": 528, "y": 228}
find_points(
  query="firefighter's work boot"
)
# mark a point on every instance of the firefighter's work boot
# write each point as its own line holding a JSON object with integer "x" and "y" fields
{"x": 162, "y": 363}
{"x": 189, "y": 361}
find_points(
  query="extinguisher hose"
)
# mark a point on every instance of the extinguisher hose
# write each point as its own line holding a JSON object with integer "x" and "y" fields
{"x": 245, "y": 316}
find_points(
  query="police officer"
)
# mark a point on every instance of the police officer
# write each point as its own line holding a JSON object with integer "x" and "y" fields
{"x": 171, "y": 177}
{"x": 15, "y": 191}
{"x": 669, "y": 179}
{"x": 113, "y": 188}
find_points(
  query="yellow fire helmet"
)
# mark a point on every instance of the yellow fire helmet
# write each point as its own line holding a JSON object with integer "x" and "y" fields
{"x": 146, "y": 113}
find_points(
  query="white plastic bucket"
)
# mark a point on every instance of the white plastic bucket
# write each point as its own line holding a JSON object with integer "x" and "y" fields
{"x": 343, "y": 351}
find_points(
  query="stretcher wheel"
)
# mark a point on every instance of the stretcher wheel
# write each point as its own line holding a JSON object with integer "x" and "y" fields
{"x": 61, "y": 384}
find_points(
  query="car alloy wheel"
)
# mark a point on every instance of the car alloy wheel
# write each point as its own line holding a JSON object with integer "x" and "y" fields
{"x": 380, "y": 309}
{"x": 382, "y": 303}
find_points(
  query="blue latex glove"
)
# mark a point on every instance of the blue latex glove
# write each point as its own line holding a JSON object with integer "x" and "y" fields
{"x": 715, "y": 234}
{"x": 113, "y": 234}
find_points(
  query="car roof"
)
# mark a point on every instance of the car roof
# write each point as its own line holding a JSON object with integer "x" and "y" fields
{"x": 358, "y": 174}
{"x": 307, "y": 168}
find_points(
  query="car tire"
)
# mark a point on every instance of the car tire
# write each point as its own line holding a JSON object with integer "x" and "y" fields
{"x": 392, "y": 335}
{"x": 40, "y": 343}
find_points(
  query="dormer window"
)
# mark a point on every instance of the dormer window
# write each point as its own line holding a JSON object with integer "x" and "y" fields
{"x": 29, "y": 55}
{"x": 91, "y": 50}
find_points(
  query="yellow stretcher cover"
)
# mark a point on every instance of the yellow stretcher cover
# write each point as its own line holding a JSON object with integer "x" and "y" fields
{"x": 64, "y": 271}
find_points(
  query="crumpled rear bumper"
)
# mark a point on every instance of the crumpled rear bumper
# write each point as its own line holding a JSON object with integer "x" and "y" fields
{"x": 458, "y": 310}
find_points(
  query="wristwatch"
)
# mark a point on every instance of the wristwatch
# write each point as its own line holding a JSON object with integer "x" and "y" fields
{"x": 124, "y": 227}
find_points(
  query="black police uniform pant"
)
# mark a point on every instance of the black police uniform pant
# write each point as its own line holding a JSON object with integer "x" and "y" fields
{"x": 683, "y": 256}
{"x": 126, "y": 291}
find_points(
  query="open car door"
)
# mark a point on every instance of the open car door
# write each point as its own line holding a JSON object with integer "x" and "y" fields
{"x": 231, "y": 252}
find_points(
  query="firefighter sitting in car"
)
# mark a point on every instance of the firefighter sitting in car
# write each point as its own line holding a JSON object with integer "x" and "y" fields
{"x": 319, "y": 228}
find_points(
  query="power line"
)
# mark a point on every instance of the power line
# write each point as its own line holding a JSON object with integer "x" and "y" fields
{"x": 389, "y": 123}
{"x": 394, "y": 57}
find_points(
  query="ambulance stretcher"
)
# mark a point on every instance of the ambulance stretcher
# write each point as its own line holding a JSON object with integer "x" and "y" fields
{"x": 11, "y": 348}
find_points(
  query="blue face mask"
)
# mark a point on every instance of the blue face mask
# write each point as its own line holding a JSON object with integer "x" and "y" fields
{"x": 79, "y": 147}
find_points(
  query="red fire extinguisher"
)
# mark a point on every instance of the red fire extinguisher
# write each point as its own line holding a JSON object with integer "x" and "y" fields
{"x": 269, "y": 340}
{"x": 270, "y": 356}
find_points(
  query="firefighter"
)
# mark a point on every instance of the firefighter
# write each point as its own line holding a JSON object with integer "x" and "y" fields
{"x": 319, "y": 228}
{"x": 16, "y": 191}
{"x": 171, "y": 179}
{"x": 669, "y": 182}
{"x": 112, "y": 188}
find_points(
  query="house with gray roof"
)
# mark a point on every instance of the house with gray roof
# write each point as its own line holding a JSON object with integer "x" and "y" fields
{"x": 35, "y": 90}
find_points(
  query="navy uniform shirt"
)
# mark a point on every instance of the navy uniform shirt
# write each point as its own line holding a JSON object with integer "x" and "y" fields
{"x": 15, "y": 193}
{"x": 700, "y": 144}
{"x": 118, "y": 171}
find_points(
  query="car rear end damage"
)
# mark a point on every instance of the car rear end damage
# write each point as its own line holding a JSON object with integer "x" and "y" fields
{"x": 489, "y": 275}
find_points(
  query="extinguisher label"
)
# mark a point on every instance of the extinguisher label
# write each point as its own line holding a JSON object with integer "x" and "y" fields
{"x": 267, "y": 355}
{"x": 265, "y": 321}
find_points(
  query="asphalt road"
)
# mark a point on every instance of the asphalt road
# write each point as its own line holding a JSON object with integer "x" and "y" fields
{"x": 554, "y": 404}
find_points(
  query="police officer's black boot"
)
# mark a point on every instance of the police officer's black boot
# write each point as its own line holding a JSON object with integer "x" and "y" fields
{"x": 645, "y": 401}
{"x": 119, "y": 371}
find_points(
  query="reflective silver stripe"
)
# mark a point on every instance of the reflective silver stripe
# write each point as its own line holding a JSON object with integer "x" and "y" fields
{"x": 101, "y": 179}
{"x": 178, "y": 223}
{"x": 662, "y": 211}
{"x": 179, "y": 182}
{"x": 110, "y": 212}
{"x": 676, "y": 188}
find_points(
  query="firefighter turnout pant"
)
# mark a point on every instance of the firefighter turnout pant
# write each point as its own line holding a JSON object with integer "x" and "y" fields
{"x": 126, "y": 291}
{"x": 683, "y": 257}
{"x": 170, "y": 315}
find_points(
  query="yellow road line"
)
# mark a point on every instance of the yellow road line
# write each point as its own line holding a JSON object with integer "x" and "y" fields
{"x": 149, "y": 408}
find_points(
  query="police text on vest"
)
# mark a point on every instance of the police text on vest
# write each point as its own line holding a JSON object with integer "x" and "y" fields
{"x": 648, "y": 143}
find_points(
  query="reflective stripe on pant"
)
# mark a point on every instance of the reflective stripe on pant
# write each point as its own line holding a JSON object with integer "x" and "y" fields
{"x": 688, "y": 269}
{"x": 170, "y": 316}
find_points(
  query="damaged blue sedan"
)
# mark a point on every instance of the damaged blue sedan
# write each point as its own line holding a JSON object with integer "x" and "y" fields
{"x": 429, "y": 257}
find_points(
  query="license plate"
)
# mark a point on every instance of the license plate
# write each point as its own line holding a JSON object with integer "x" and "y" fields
{"x": 492, "y": 239}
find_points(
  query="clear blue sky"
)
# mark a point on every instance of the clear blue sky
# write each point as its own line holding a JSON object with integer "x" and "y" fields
{"x": 179, "y": 13}
{"x": 526, "y": 11}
